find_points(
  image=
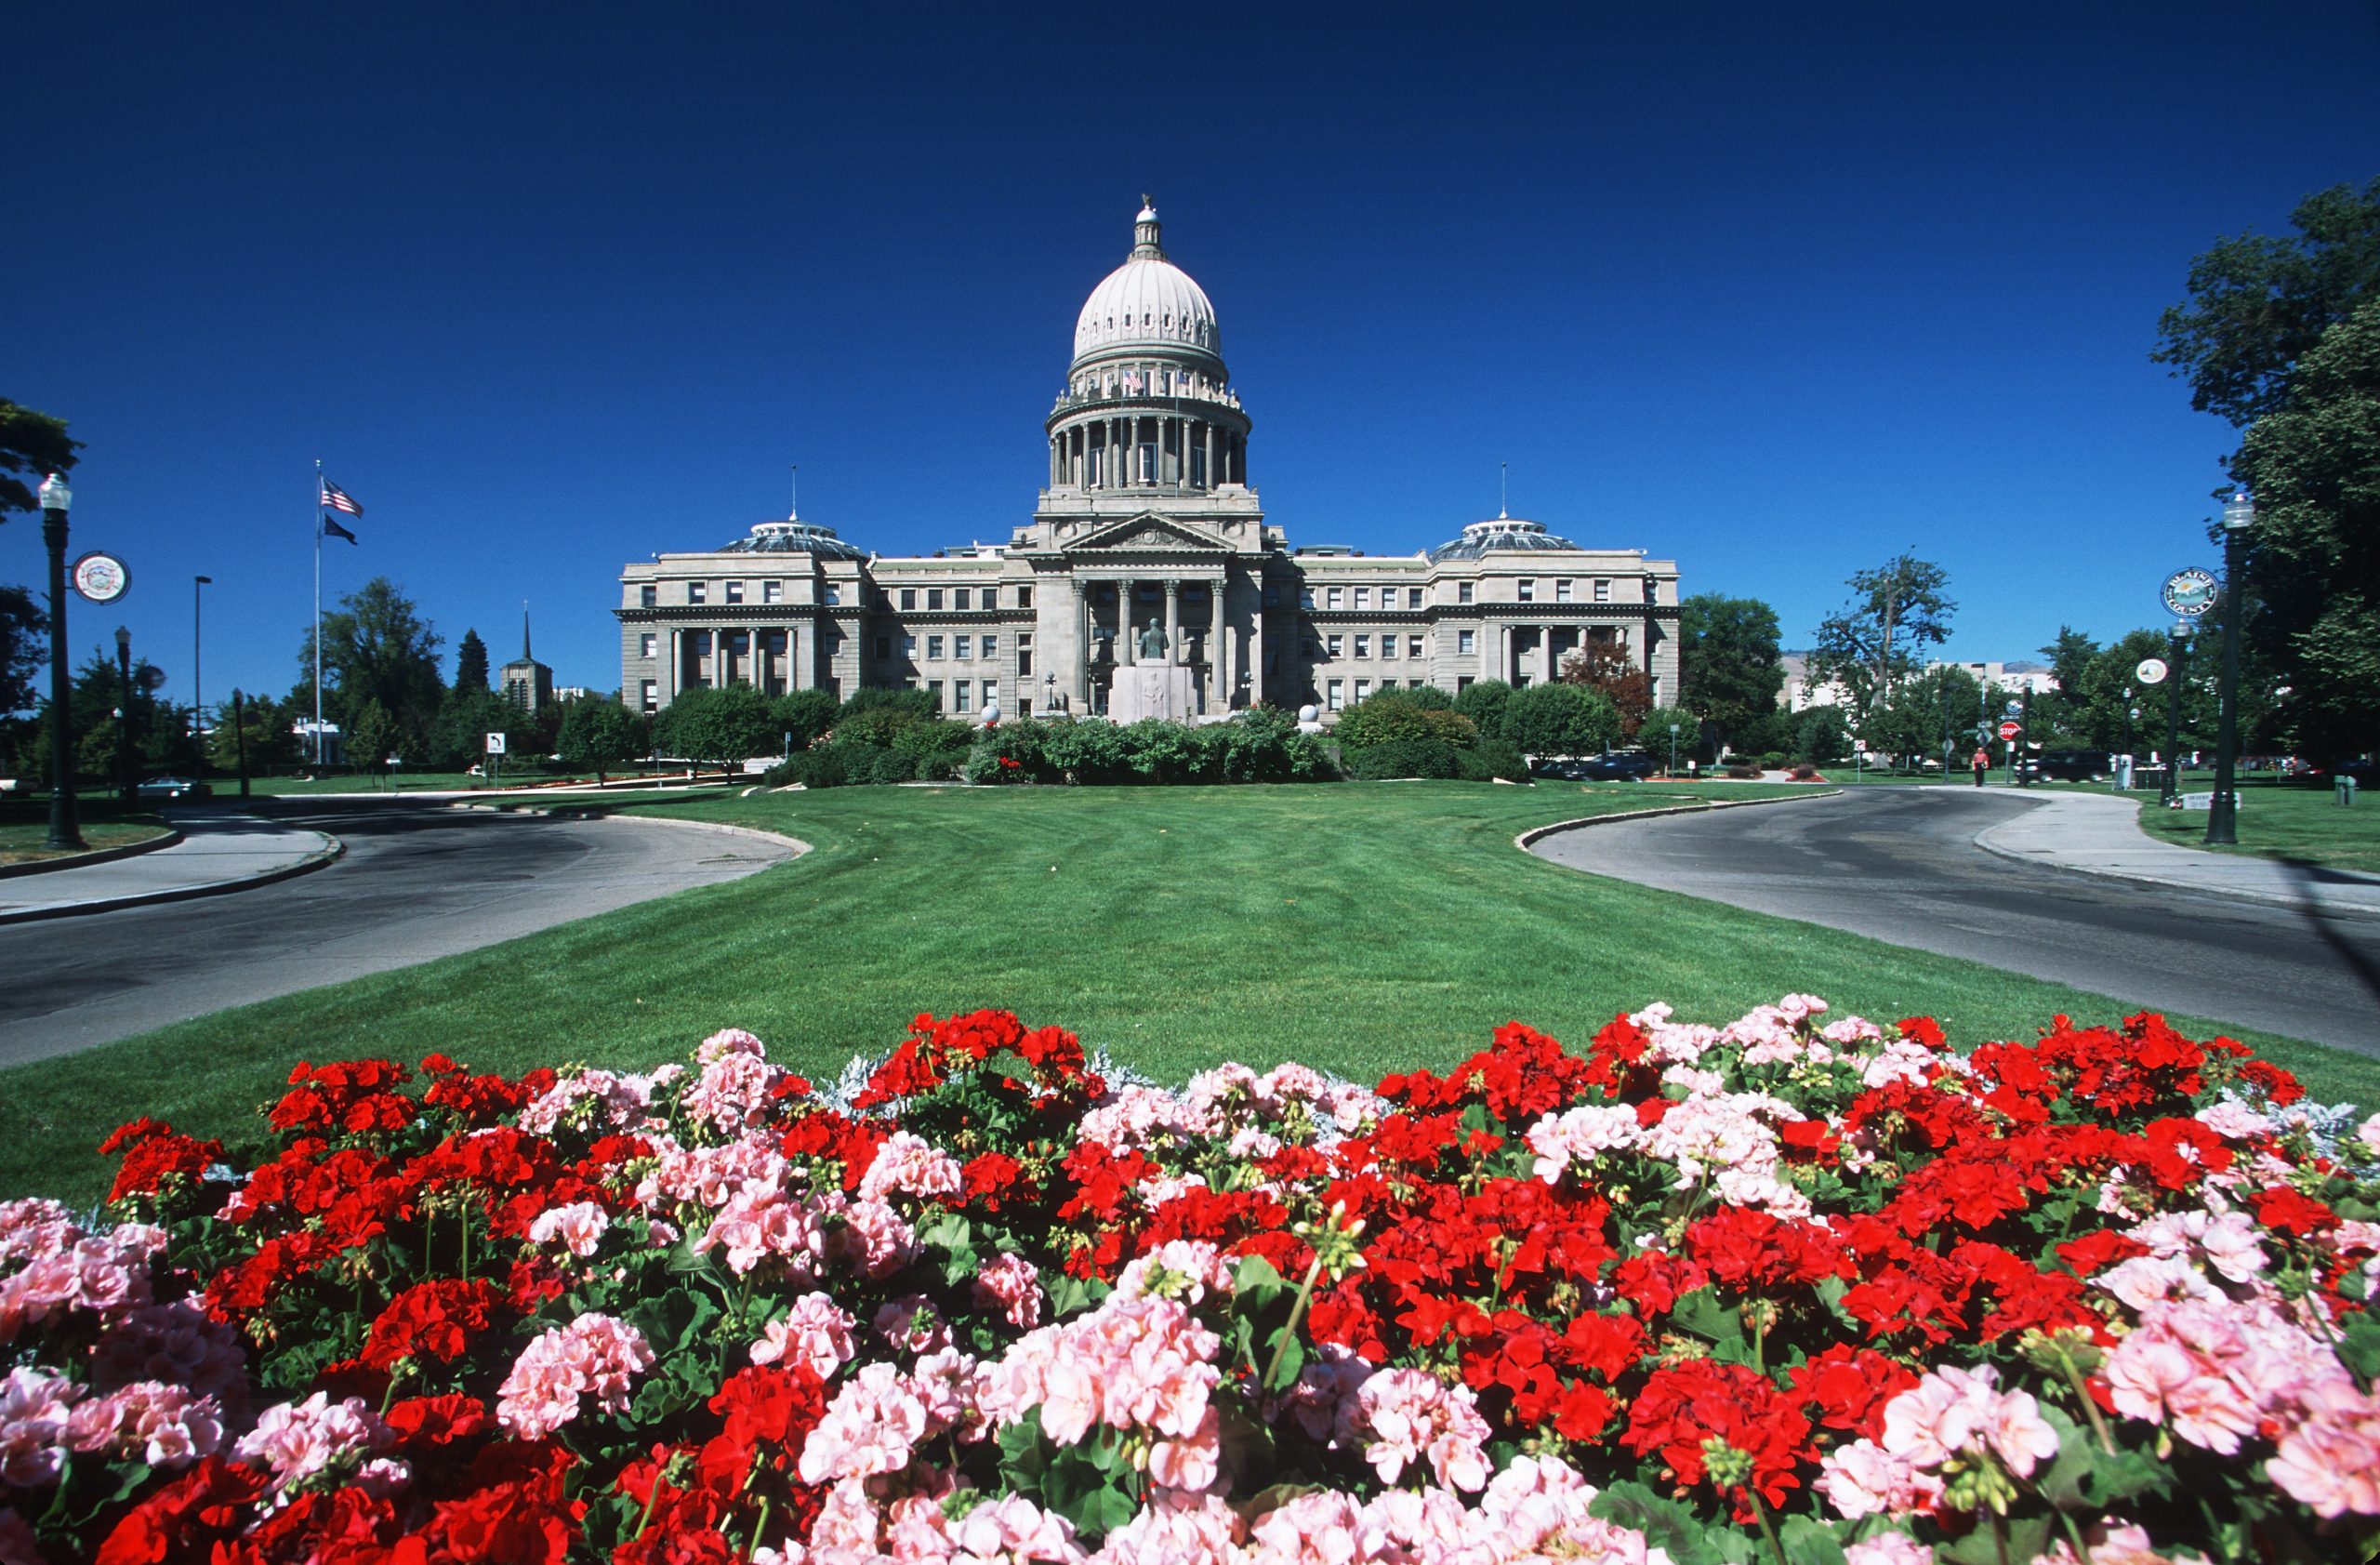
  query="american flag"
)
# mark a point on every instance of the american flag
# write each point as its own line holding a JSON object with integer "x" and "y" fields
{"x": 336, "y": 499}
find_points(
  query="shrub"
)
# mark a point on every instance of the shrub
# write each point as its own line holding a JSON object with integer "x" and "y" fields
{"x": 1089, "y": 751}
{"x": 727, "y": 723}
{"x": 1823, "y": 736}
{"x": 937, "y": 748}
{"x": 1483, "y": 701}
{"x": 873, "y": 716}
{"x": 863, "y": 763}
{"x": 805, "y": 714}
{"x": 1404, "y": 758}
{"x": 1559, "y": 718}
{"x": 822, "y": 768}
{"x": 1653, "y": 732}
{"x": 1392, "y": 717}
{"x": 1430, "y": 697}
{"x": 1771, "y": 760}
{"x": 1490, "y": 759}
{"x": 1264, "y": 744}
{"x": 1744, "y": 773}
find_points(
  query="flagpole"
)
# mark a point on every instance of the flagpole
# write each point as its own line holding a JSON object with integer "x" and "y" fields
{"x": 318, "y": 614}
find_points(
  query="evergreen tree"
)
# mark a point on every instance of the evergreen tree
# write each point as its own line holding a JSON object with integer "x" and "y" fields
{"x": 470, "y": 663}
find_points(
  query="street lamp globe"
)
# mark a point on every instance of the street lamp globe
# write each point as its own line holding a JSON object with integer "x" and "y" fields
{"x": 54, "y": 495}
{"x": 2239, "y": 512}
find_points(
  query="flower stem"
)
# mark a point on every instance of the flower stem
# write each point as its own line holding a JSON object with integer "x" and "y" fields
{"x": 1297, "y": 1312}
{"x": 2090, "y": 1408}
{"x": 1759, "y": 1513}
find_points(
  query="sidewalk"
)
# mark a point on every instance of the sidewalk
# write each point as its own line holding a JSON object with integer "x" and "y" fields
{"x": 218, "y": 852}
{"x": 2097, "y": 834}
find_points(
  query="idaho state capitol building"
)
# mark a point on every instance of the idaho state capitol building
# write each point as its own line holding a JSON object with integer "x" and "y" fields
{"x": 1149, "y": 581}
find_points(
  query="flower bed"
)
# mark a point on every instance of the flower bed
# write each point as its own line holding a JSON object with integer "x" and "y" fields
{"x": 1788, "y": 1290}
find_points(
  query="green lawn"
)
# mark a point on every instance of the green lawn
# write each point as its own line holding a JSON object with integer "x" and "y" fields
{"x": 22, "y": 831}
{"x": 2287, "y": 821}
{"x": 1360, "y": 928}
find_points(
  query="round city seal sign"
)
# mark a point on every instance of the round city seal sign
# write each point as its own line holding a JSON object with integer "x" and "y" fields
{"x": 2191, "y": 591}
{"x": 102, "y": 577}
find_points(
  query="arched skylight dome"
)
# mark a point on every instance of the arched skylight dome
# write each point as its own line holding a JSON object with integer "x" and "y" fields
{"x": 794, "y": 538}
{"x": 1503, "y": 535}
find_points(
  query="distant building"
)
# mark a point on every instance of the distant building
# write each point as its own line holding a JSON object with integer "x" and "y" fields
{"x": 1802, "y": 691}
{"x": 1147, "y": 520}
{"x": 527, "y": 682}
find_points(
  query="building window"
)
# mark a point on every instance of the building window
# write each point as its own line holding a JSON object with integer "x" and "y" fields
{"x": 884, "y": 647}
{"x": 959, "y": 598}
{"x": 1603, "y": 591}
{"x": 1465, "y": 641}
{"x": 1338, "y": 597}
{"x": 908, "y": 597}
{"x": 991, "y": 647}
{"x": 1461, "y": 683}
{"x": 648, "y": 596}
{"x": 964, "y": 687}
{"x": 834, "y": 593}
{"x": 1562, "y": 590}
{"x": 1527, "y": 585}
{"x": 958, "y": 646}
{"x": 1363, "y": 597}
{"x": 1338, "y": 691}
{"x": 1024, "y": 597}
{"x": 1413, "y": 646}
{"x": 1388, "y": 646}
{"x": 1412, "y": 597}
{"x": 697, "y": 592}
{"x": 1363, "y": 646}
{"x": 909, "y": 646}
{"x": 1024, "y": 662}
{"x": 772, "y": 591}
{"x": 1363, "y": 688}
{"x": 734, "y": 592}
{"x": 1338, "y": 645}
{"x": 644, "y": 644}
{"x": 1272, "y": 596}
{"x": 933, "y": 649}
{"x": 1463, "y": 592}
{"x": 1306, "y": 597}
{"x": 933, "y": 597}
{"x": 651, "y": 695}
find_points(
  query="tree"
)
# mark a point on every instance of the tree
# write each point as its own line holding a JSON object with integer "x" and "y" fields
{"x": 31, "y": 444}
{"x": 728, "y": 723}
{"x": 1604, "y": 665}
{"x": 2258, "y": 305}
{"x": 602, "y": 734}
{"x": 1934, "y": 708}
{"x": 1729, "y": 666}
{"x": 368, "y": 732}
{"x": 805, "y": 715}
{"x": 1873, "y": 640}
{"x": 377, "y": 647}
{"x": 471, "y": 662}
{"x": 1559, "y": 718}
{"x": 24, "y": 646}
{"x": 271, "y": 741}
{"x": 1483, "y": 701}
{"x": 92, "y": 701}
{"x": 2312, "y": 574}
{"x": 1824, "y": 736}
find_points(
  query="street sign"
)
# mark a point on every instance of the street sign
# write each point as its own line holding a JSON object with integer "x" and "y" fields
{"x": 2191, "y": 591}
{"x": 2011, "y": 729}
{"x": 102, "y": 577}
{"x": 495, "y": 744}
{"x": 2152, "y": 670}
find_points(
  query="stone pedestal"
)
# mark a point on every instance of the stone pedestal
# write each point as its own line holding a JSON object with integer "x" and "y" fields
{"x": 1163, "y": 690}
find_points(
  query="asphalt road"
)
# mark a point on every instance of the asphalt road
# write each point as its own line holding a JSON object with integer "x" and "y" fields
{"x": 417, "y": 881}
{"x": 1900, "y": 863}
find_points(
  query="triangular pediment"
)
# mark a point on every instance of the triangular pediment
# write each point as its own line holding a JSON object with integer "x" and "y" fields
{"x": 1149, "y": 533}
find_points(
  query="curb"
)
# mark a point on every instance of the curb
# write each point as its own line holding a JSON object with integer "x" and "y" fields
{"x": 1526, "y": 842}
{"x": 304, "y": 866}
{"x": 800, "y": 847}
{"x": 2243, "y": 894}
{"x": 96, "y": 856}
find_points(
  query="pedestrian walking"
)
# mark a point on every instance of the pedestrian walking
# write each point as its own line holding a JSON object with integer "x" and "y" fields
{"x": 1982, "y": 763}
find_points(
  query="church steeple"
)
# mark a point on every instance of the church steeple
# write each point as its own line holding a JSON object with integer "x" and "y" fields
{"x": 525, "y": 632}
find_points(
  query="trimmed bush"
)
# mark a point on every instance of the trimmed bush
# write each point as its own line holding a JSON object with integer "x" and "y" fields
{"x": 1392, "y": 717}
{"x": 1560, "y": 719}
{"x": 811, "y": 768}
{"x": 1483, "y": 701}
{"x": 1490, "y": 759}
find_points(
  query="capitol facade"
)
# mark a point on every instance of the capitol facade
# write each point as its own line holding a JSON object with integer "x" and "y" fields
{"x": 1149, "y": 545}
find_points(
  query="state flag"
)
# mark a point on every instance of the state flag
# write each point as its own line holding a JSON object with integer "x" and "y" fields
{"x": 333, "y": 530}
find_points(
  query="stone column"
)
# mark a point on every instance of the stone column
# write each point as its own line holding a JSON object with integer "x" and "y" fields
{"x": 668, "y": 669}
{"x": 1217, "y": 644}
{"x": 1082, "y": 646}
{"x": 1206, "y": 433}
{"x": 1546, "y": 641}
{"x": 1173, "y": 621}
{"x": 1255, "y": 641}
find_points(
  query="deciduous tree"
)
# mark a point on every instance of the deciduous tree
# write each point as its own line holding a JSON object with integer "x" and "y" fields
{"x": 1729, "y": 662}
{"x": 1874, "y": 641}
{"x": 1603, "y": 665}
{"x": 603, "y": 734}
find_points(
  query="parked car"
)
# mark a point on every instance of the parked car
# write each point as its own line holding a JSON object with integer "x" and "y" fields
{"x": 2064, "y": 765}
{"x": 1612, "y": 765}
{"x": 174, "y": 788}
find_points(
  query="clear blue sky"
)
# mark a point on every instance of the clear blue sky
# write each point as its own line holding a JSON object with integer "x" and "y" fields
{"x": 1776, "y": 291}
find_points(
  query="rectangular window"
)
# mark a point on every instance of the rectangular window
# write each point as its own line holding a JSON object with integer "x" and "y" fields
{"x": 1337, "y": 644}
{"x": 1413, "y": 646}
{"x": 1603, "y": 591}
{"x": 648, "y": 596}
{"x": 697, "y": 592}
{"x": 834, "y": 593}
{"x": 1337, "y": 689}
{"x": 734, "y": 591}
{"x": 1363, "y": 688}
{"x": 884, "y": 647}
{"x": 958, "y": 646}
{"x": 644, "y": 644}
{"x": 908, "y": 597}
{"x": 1527, "y": 585}
{"x": 1562, "y": 590}
{"x": 1148, "y": 461}
{"x": 959, "y": 598}
{"x": 1463, "y": 592}
{"x": 1461, "y": 683}
{"x": 1388, "y": 646}
{"x": 1306, "y": 597}
{"x": 933, "y": 649}
{"x": 933, "y": 597}
{"x": 1363, "y": 597}
{"x": 964, "y": 687}
{"x": 1338, "y": 597}
{"x": 1198, "y": 466}
{"x": 1412, "y": 597}
{"x": 1272, "y": 596}
{"x": 1024, "y": 662}
{"x": 1464, "y": 642}
{"x": 1363, "y": 646}
{"x": 1024, "y": 597}
{"x": 991, "y": 647}
{"x": 772, "y": 591}
{"x": 909, "y": 646}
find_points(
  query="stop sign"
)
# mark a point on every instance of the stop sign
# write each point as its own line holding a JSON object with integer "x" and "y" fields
{"x": 2010, "y": 730}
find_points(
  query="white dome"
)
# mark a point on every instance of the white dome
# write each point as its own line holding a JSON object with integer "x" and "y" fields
{"x": 1147, "y": 301}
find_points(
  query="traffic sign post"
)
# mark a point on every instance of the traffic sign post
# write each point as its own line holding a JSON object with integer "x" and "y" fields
{"x": 2010, "y": 730}
{"x": 496, "y": 759}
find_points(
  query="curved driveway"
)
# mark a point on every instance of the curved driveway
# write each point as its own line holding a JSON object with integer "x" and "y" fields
{"x": 417, "y": 881}
{"x": 1900, "y": 863}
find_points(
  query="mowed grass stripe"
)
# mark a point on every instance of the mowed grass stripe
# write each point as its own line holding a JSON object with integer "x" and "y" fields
{"x": 1360, "y": 928}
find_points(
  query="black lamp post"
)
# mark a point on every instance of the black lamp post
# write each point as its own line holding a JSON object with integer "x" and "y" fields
{"x": 124, "y": 716}
{"x": 55, "y": 498}
{"x": 240, "y": 736}
{"x": 1673, "y": 728}
{"x": 2223, "y": 813}
{"x": 2176, "y": 644}
{"x": 197, "y": 705}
